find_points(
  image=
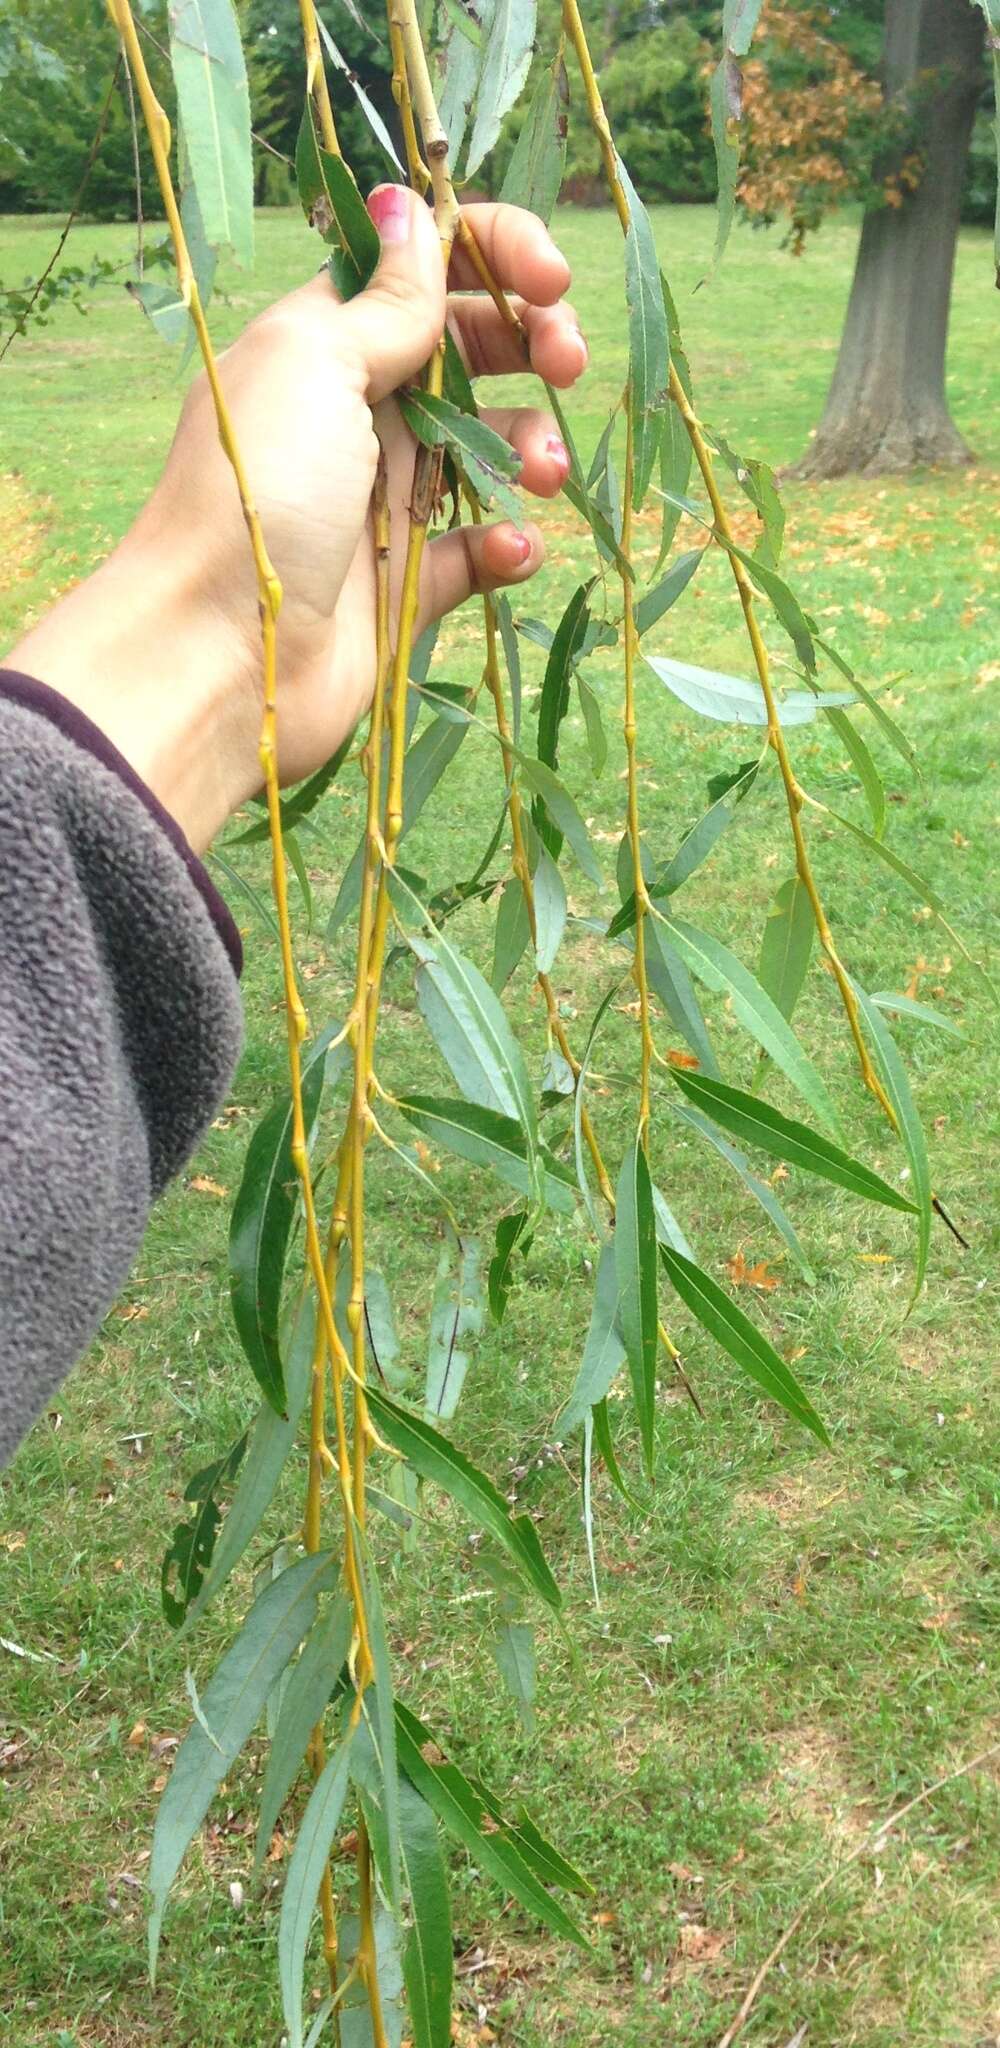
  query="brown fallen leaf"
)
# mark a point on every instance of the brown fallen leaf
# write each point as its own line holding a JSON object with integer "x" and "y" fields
{"x": 201, "y": 1185}
{"x": 759, "y": 1275}
{"x": 676, "y": 1058}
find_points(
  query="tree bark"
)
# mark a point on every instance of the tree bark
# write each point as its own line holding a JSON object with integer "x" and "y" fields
{"x": 886, "y": 408}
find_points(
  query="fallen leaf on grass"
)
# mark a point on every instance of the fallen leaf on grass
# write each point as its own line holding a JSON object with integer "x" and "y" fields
{"x": 201, "y": 1185}
{"x": 759, "y": 1275}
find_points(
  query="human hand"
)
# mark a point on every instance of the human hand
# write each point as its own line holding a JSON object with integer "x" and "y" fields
{"x": 162, "y": 646}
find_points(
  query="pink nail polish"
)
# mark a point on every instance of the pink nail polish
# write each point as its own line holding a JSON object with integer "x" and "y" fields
{"x": 559, "y": 453}
{"x": 520, "y": 548}
{"x": 389, "y": 206}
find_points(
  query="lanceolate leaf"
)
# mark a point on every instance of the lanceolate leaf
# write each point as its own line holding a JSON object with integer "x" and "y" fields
{"x": 464, "y": 1813}
{"x": 739, "y": 20}
{"x": 550, "y": 911}
{"x": 261, "y": 1224}
{"x": 694, "y": 848}
{"x": 427, "y": 1953}
{"x": 193, "y": 1542}
{"x": 302, "y": 800}
{"x": 487, "y": 461}
{"x": 380, "y": 1711}
{"x": 920, "y": 887}
{"x": 333, "y": 205}
{"x": 578, "y": 1104}
{"x": 867, "y": 773}
{"x": 511, "y": 935}
{"x": 635, "y": 1270}
{"x": 486, "y": 1139}
{"x": 456, "y": 1322}
{"x": 756, "y": 1123}
{"x": 740, "y": 1339}
{"x": 271, "y": 1439}
{"x": 786, "y": 945}
{"x": 471, "y": 1031}
{"x": 563, "y": 812}
{"x": 648, "y": 335}
{"x": 435, "y": 1459}
{"x": 310, "y": 1683}
{"x": 506, "y": 58}
{"x": 676, "y": 457}
{"x": 719, "y": 969}
{"x": 762, "y": 1193}
{"x": 604, "y": 1352}
{"x": 500, "y": 1278}
{"x": 733, "y": 701}
{"x": 893, "y": 732}
{"x": 535, "y": 171}
{"x": 666, "y": 593}
{"x": 672, "y": 986}
{"x": 213, "y": 102}
{"x": 305, "y": 1872}
{"x": 921, "y": 1012}
{"x": 514, "y": 1650}
{"x": 897, "y": 1088}
{"x": 668, "y": 1230}
{"x": 232, "y": 1703}
{"x": 756, "y": 480}
{"x": 554, "y": 702}
{"x": 368, "y": 108}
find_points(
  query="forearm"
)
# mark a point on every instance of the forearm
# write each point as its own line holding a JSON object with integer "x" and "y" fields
{"x": 119, "y": 1030}
{"x": 142, "y": 650}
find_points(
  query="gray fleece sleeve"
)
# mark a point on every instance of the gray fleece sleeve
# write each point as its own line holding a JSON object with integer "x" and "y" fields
{"x": 120, "y": 1027}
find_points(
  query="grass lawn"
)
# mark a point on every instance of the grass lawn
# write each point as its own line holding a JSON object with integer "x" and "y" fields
{"x": 790, "y": 1641}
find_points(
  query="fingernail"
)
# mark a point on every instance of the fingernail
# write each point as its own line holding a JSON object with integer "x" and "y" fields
{"x": 389, "y": 206}
{"x": 584, "y": 350}
{"x": 520, "y": 548}
{"x": 559, "y": 453}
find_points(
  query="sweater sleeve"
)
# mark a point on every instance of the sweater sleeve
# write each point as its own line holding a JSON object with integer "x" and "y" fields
{"x": 120, "y": 1027}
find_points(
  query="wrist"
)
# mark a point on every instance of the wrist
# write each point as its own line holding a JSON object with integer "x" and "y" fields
{"x": 142, "y": 650}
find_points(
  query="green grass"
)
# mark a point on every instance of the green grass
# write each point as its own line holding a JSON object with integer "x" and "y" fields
{"x": 790, "y": 1641}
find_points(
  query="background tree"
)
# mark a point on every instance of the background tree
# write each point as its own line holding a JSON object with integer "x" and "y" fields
{"x": 822, "y": 130}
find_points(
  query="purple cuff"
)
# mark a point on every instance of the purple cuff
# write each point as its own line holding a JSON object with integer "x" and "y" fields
{"x": 76, "y": 726}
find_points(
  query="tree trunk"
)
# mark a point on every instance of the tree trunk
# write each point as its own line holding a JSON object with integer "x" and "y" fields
{"x": 886, "y": 408}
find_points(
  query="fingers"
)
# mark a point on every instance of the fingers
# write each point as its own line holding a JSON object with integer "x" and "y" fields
{"x": 557, "y": 350}
{"x": 534, "y": 436}
{"x": 520, "y": 253}
{"x": 395, "y": 323}
{"x": 473, "y": 559}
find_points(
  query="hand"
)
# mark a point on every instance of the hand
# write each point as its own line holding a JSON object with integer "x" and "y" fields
{"x": 162, "y": 648}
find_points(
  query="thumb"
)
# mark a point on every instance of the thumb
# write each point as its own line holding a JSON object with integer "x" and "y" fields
{"x": 397, "y": 321}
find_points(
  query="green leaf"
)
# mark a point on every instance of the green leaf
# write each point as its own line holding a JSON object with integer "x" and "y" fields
{"x": 486, "y": 1139}
{"x": 383, "y": 1735}
{"x": 920, "y": 887}
{"x": 740, "y": 1339}
{"x": 500, "y": 1277}
{"x": 368, "y": 107}
{"x": 232, "y": 1704}
{"x": 191, "y": 1546}
{"x": 897, "y": 1088}
{"x": 597, "y": 740}
{"x": 514, "y": 1650}
{"x": 867, "y": 773}
{"x": 302, "y": 800}
{"x": 672, "y": 986}
{"x": 538, "y": 160}
{"x": 694, "y": 848}
{"x": 786, "y": 605}
{"x": 471, "y": 1030}
{"x": 922, "y": 1012}
{"x": 725, "y": 105}
{"x": 435, "y": 1459}
{"x": 603, "y": 1353}
{"x": 668, "y": 1230}
{"x": 333, "y": 206}
{"x": 511, "y": 935}
{"x": 506, "y": 59}
{"x": 578, "y": 1104}
{"x": 486, "y": 460}
{"x": 550, "y": 911}
{"x": 310, "y": 1683}
{"x": 213, "y": 104}
{"x": 271, "y": 1439}
{"x": 666, "y": 593}
{"x": 648, "y": 337}
{"x": 563, "y": 812}
{"x": 760, "y": 1190}
{"x": 786, "y": 945}
{"x": 894, "y": 733}
{"x": 756, "y": 480}
{"x": 720, "y": 970}
{"x": 567, "y": 643}
{"x": 305, "y": 1874}
{"x": 261, "y": 1224}
{"x": 734, "y": 701}
{"x": 635, "y": 1271}
{"x": 427, "y": 1953}
{"x": 456, "y": 1321}
{"x": 426, "y": 761}
{"x": 676, "y": 456}
{"x": 755, "y": 1123}
{"x": 463, "y": 1811}
{"x": 512, "y": 657}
